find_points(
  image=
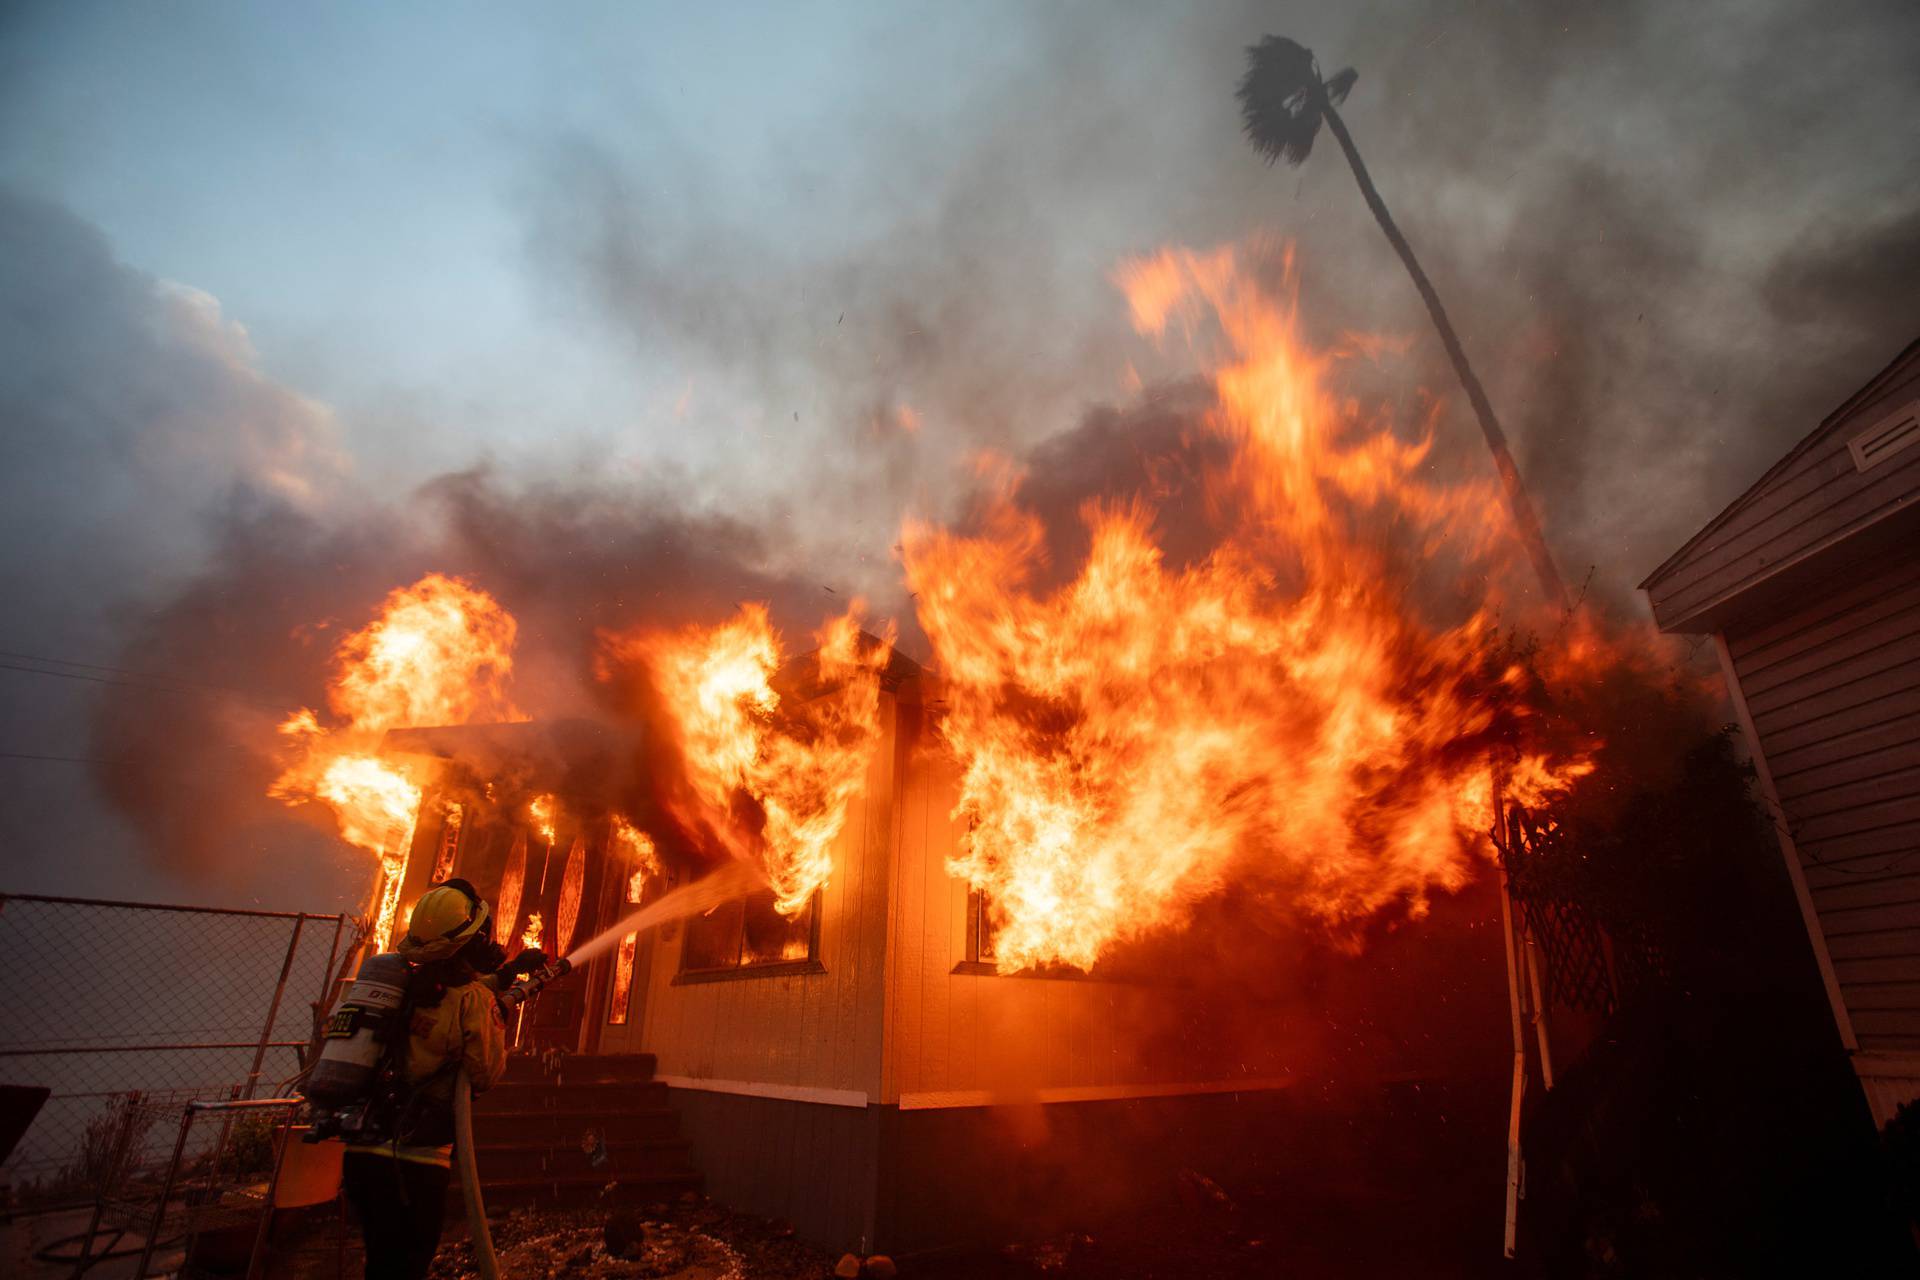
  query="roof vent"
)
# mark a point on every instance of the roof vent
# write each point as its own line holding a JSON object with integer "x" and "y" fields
{"x": 1886, "y": 437}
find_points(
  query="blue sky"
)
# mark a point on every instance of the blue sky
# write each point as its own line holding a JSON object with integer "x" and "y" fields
{"x": 350, "y": 181}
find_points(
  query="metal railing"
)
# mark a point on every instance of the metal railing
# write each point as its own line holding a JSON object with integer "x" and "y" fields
{"x": 119, "y": 1008}
{"x": 215, "y": 1190}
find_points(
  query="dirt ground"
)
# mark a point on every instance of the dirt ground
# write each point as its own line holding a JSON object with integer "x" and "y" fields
{"x": 1202, "y": 1230}
{"x": 688, "y": 1239}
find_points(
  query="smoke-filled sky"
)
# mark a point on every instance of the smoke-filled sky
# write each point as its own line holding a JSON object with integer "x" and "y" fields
{"x": 617, "y": 305}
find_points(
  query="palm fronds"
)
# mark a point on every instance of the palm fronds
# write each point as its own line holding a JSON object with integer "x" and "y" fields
{"x": 1282, "y": 96}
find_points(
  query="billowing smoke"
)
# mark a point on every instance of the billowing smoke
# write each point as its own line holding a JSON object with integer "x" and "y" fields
{"x": 1671, "y": 241}
{"x": 1671, "y": 238}
{"x": 131, "y": 413}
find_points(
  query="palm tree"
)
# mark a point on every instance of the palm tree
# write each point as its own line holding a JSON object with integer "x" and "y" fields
{"x": 1282, "y": 102}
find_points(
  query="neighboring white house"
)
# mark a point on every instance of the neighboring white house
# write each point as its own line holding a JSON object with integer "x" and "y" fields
{"x": 1809, "y": 584}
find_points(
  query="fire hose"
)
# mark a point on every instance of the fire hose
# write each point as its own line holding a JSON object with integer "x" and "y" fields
{"x": 484, "y": 1259}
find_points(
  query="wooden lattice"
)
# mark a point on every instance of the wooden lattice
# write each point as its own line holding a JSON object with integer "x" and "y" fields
{"x": 1592, "y": 958}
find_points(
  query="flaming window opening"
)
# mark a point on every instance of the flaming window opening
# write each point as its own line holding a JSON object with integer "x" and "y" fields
{"x": 643, "y": 860}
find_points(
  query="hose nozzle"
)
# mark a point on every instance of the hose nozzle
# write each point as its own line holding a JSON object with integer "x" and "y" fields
{"x": 531, "y": 985}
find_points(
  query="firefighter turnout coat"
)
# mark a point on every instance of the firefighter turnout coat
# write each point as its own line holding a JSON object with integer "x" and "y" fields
{"x": 464, "y": 1029}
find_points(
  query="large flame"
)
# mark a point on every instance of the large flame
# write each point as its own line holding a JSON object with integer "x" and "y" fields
{"x": 1278, "y": 712}
{"x": 439, "y": 652}
{"x": 770, "y": 776}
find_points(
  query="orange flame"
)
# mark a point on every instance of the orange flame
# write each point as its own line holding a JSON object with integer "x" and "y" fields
{"x": 439, "y": 652}
{"x": 530, "y": 936}
{"x": 1277, "y": 712}
{"x": 540, "y": 809}
{"x": 636, "y": 849}
{"x": 792, "y": 763}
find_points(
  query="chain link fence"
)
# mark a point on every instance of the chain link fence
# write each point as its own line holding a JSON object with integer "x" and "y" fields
{"x": 127, "y": 1009}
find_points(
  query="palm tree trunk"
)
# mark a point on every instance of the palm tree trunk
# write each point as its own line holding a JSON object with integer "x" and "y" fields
{"x": 1516, "y": 489}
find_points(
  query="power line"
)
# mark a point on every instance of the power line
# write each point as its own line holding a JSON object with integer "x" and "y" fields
{"x": 161, "y": 676}
{"x": 204, "y": 691}
{"x": 102, "y": 760}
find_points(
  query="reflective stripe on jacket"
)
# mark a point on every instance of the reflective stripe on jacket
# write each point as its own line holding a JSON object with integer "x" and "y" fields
{"x": 464, "y": 1028}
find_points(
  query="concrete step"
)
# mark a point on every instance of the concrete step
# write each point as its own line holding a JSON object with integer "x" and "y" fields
{"x": 576, "y": 1068}
{"x": 643, "y": 1158}
{"x": 551, "y": 1128}
{"x": 594, "y": 1096}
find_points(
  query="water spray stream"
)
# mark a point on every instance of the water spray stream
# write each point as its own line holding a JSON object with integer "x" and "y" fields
{"x": 729, "y": 880}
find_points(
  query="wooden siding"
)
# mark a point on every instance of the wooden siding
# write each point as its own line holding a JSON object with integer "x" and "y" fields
{"x": 1811, "y": 500}
{"x": 811, "y": 1030}
{"x": 962, "y": 1039}
{"x": 1833, "y": 689}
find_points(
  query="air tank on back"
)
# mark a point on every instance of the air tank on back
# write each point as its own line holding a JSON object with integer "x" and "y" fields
{"x": 357, "y": 1033}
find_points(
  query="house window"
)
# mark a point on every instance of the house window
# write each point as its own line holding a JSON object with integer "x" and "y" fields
{"x": 978, "y": 955}
{"x": 748, "y": 937}
{"x": 982, "y": 955}
{"x": 641, "y": 870}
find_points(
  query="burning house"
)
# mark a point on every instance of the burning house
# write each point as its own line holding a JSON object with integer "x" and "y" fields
{"x": 924, "y": 914}
{"x": 846, "y": 1065}
{"x": 1809, "y": 585}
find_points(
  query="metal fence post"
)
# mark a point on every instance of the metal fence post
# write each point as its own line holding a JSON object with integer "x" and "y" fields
{"x": 273, "y": 1191}
{"x": 166, "y": 1192}
{"x": 333, "y": 953}
{"x": 273, "y": 1007}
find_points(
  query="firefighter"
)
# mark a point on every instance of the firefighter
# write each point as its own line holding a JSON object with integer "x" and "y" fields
{"x": 398, "y": 1186}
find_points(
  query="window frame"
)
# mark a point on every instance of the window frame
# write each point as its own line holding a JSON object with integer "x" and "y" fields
{"x": 979, "y": 961}
{"x": 978, "y": 955}
{"x": 759, "y": 969}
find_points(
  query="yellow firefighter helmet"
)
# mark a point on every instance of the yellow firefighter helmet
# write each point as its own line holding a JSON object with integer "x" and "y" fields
{"x": 446, "y": 918}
